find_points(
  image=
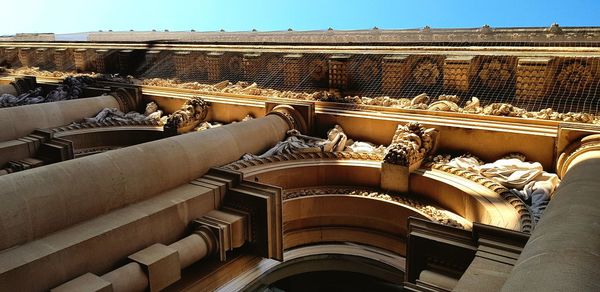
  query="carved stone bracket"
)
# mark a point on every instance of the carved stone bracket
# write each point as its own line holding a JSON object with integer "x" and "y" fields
{"x": 292, "y": 70}
{"x": 339, "y": 77}
{"x": 80, "y": 57}
{"x": 26, "y": 57}
{"x": 456, "y": 73}
{"x": 63, "y": 59}
{"x": 532, "y": 78}
{"x": 394, "y": 72}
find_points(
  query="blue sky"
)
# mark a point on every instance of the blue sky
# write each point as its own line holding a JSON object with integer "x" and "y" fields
{"x": 64, "y": 16}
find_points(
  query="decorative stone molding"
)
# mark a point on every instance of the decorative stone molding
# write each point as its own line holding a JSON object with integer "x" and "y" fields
{"x": 291, "y": 116}
{"x": 495, "y": 73}
{"x": 427, "y": 35}
{"x": 242, "y": 164}
{"x": 434, "y": 213}
{"x": 525, "y": 217}
{"x": 191, "y": 114}
{"x": 574, "y": 76}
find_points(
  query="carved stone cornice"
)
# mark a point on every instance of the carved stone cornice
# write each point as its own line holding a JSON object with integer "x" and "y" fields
{"x": 550, "y": 34}
{"x": 525, "y": 217}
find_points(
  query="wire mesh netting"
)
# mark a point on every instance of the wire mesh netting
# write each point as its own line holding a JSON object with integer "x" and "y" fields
{"x": 532, "y": 82}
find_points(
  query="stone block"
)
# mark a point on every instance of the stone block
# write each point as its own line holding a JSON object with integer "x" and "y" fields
{"x": 86, "y": 282}
{"x": 395, "y": 177}
{"x": 161, "y": 263}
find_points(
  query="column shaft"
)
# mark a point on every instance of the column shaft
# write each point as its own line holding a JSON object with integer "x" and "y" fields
{"x": 42, "y": 200}
{"x": 20, "y": 121}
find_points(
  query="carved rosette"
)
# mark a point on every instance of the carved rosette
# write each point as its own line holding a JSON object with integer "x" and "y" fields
{"x": 411, "y": 144}
{"x": 190, "y": 115}
{"x": 427, "y": 72}
{"x": 318, "y": 70}
{"x": 575, "y": 76}
{"x": 495, "y": 73}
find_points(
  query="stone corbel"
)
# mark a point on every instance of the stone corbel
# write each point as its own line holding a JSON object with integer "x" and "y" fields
{"x": 411, "y": 144}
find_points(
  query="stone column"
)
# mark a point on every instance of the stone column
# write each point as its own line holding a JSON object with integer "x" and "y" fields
{"x": 8, "y": 89}
{"x": 56, "y": 196}
{"x": 562, "y": 252}
{"x": 20, "y": 121}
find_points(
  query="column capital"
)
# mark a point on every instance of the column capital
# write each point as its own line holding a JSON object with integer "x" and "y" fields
{"x": 578, "y": 151}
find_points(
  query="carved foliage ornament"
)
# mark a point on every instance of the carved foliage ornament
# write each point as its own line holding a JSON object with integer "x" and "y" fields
{"x": 427, "y": 72}
{"x": 410, "y": 144}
